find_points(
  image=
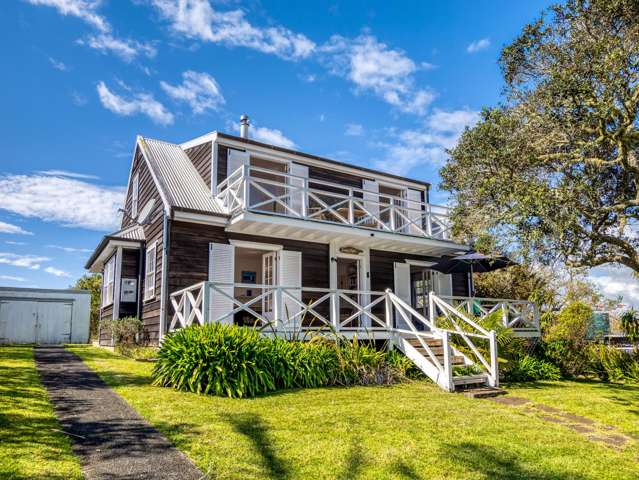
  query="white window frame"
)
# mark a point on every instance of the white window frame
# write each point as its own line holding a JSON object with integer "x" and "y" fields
{"x": 108, "y": 282}
{"x": 149, "y": 287}
{"x": 135, "y": 193}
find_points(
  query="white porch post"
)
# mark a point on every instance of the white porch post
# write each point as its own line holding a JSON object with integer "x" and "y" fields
{"x": 448, "y": 364}
{"x": 277, "y": 310}
{"x": 494, "y": 367}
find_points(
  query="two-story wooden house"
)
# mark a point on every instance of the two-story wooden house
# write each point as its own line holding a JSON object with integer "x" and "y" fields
{"x": 222, "y": 228}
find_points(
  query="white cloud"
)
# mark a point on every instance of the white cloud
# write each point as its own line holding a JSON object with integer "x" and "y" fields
{"x": 617, "y": 281}
{"x": 13, "y": 229}
{"x": 57, "y": 272}
{"x": 11, "y": 278}
{"x": 126, "y": 49}
{"x": 58, "y": 65}
{"x": 70, "y": 249}
{"x": 354, "y": 130}
{"x": 12, "y": 242}
{"x": 85, "y": 10}
{"x": 71, "y": 202}
{"x": 33, "y": 262}
{"x": 78, "y": 99}
{"x": 373, "y": 66}
{"x": 427, "y": 144}
{"x": 66, "y": 173}
{"x": 198, "y": 89}
{"x": 478, "y": 45}
{"x": 198, "y": 20}
{"x": 271, "y": 136}
{"x": 137, "y": 103}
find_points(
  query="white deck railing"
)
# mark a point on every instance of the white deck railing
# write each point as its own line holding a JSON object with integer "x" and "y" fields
{"x": 285, "y": 310}
{"x": 260, "y": 190}
{"x": 521, "y": 316}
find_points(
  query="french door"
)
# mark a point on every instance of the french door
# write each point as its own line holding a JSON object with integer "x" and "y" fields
{"x": 269, "y": 279}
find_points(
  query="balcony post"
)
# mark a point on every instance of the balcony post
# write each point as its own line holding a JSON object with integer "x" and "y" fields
{"x": 304, "y": 193}
{"x": 392, "y": 215}
{"x": 246, "y": 188}
{"x": 351, "y": 210}
{"x": 429, "y": 220}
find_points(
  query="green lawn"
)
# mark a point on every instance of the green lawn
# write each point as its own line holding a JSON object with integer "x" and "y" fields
{"x": 31, "y": 444}
{"x": 407, "y": 431}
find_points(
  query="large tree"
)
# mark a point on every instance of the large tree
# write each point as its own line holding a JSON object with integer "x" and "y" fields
{"x": 554, "y": 169}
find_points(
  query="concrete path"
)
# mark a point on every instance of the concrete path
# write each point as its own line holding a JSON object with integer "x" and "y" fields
{"x": 110, "y": 438}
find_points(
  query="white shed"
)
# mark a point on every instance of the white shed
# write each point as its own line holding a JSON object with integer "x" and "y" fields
{"x": 43, "y": 316}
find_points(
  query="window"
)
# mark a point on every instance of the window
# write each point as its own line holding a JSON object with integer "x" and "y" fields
{"x": 149, "y": 276}
{"x": 108, "y": 278}
{"x": 135, "y": 187}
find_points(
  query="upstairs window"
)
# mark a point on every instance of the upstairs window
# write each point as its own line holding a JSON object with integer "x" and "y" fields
{"x": 149, "y": 275}
{"x": 135, "y": 188}
{"x": 108, "y": 279}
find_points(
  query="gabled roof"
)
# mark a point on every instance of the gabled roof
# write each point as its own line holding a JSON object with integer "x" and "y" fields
{"x": 179, "y": 182}
{"x": 132, "y": 234}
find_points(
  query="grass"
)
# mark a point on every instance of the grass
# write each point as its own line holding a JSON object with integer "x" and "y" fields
{"x": 31, "y": 443}
{"x": 407, "y": 431}
{"x": 614, "y": 404}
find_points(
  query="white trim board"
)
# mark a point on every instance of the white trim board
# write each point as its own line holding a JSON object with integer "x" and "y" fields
{"x": 271, "y": 247}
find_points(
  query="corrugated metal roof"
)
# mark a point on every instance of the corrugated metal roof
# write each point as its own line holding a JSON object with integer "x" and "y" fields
{"x": 134, "y": 232}
{"x": 180, "y": 181}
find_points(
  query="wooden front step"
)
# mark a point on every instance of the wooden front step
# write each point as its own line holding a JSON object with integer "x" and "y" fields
{"x": 456, "y": 359}
{"x": 431, "y": 342}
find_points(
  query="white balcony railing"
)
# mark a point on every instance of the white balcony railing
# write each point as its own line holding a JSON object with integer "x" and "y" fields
{"x": 260, "y": 190}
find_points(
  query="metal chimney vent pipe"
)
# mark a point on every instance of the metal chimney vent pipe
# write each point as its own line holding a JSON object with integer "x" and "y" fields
{"x": 244, "y": 126}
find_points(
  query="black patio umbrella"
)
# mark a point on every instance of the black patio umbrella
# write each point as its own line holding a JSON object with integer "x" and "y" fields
{"x": 473, "y": 262}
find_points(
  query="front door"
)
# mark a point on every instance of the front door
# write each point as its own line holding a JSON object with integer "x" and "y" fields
{"x": 422, "y": 282}
{"x": 348, "y": 278}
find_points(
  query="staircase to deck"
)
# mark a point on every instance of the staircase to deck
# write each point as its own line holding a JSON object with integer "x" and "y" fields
{"x": 432, "y": 351}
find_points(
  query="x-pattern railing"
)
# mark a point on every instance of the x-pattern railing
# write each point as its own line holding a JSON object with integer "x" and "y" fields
{"x": 520, "y": 315}
{"x": 291, "y": 309}
{"x": 268, "y": 191}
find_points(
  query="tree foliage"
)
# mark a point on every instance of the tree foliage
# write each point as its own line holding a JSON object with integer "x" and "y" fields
{"x": 93, "y": 283}
{"x": 554, "y": 169}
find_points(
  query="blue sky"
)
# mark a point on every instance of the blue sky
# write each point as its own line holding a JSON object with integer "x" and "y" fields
{"x": 388, "y": 85}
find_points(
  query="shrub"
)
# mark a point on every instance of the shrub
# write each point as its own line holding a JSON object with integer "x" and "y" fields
{"x": 611, "y": 364}
{"x": 630, "y": 324}
{"x": 565, "y": 339}
{"x": 241, "y": 362}
{"x": 529, "y": 368}
{"x": 125, "y": 331}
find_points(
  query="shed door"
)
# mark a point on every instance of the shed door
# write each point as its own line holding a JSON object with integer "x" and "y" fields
{"x": 222, "y": 274}
{"x": 32, "y": 321}
{"x": 18, "y": 321}
{"x": 54, "y": 322}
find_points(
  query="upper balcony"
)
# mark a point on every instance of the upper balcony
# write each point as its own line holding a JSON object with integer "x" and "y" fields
{"x": 266, "y": 191}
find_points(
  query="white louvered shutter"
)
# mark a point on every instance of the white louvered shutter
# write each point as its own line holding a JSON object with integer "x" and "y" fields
{"x": 443, "y": 284}
{"x": 402, "y": 289}
{"x": 414, "y": 204}
{"x": 221, "y": 270}
{"x": 371, "y": 198}
{"x": 297, "y": 198}
{"x": 235, "y": 160}
{"x": 290, "y": 272}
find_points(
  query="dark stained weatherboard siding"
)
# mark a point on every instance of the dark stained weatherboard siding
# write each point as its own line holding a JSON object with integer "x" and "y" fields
{"x": 200, "y": 156}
